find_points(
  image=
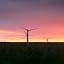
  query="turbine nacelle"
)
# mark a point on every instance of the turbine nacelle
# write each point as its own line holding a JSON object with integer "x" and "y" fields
{"x": 29, "y": 29}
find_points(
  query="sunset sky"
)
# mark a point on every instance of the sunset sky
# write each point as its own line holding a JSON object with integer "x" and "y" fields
{"x": 45, "y": 15}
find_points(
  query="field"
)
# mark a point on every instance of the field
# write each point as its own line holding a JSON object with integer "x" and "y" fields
{"x": 33, "y": 53}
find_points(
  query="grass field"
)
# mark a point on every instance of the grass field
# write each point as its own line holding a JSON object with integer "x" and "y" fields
{"x": 34, "y": 53}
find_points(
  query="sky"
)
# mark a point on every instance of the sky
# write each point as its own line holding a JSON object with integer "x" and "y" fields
{"x": 46, "y": 16}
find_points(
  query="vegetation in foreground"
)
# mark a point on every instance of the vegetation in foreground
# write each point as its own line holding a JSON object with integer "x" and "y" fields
{"x": 19, "y": 53}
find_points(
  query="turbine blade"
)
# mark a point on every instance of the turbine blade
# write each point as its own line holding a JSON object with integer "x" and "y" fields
{"x": 33, "y": 29}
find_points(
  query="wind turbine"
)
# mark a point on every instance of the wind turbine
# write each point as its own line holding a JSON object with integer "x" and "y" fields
{"x": 27, "y": 34}
{"x": 47, "y": 40}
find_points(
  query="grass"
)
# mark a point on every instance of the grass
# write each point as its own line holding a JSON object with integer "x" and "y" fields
{"x": 40, "y": 53}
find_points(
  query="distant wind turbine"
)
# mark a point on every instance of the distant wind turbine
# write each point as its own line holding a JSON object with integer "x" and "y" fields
{"x": 47, "y": 40}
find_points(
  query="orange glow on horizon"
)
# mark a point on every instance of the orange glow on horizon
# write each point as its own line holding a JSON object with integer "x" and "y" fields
{"x": 16, "y": 36}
